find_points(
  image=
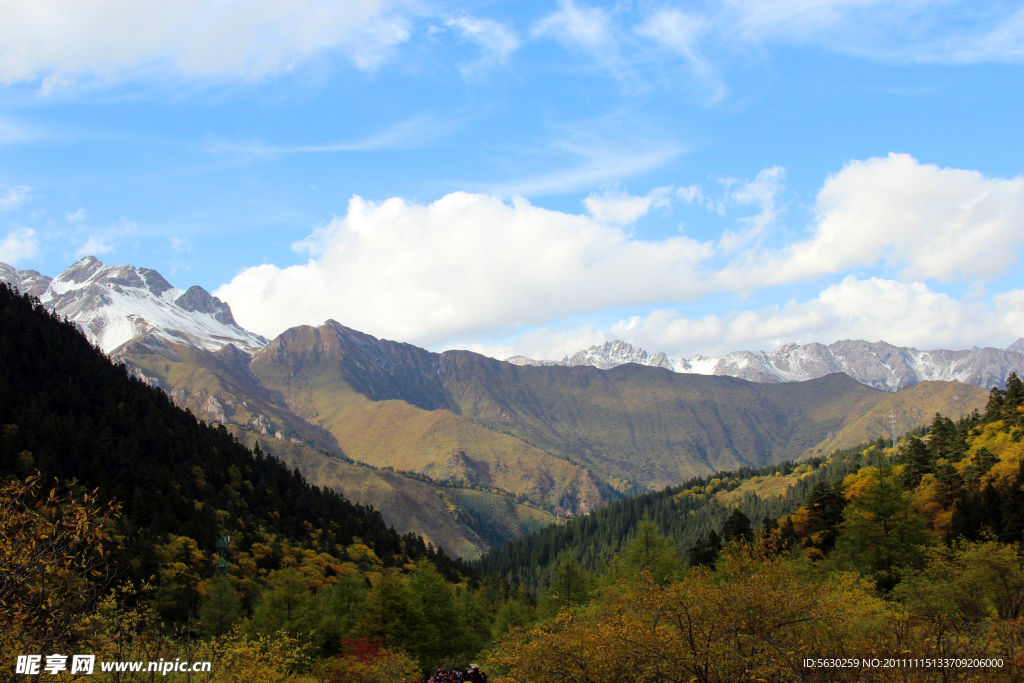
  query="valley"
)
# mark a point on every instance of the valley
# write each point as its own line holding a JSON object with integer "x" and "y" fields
{"x": 466, "y": 450}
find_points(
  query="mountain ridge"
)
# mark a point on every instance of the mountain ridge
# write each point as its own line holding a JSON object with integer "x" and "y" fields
{"x": 879, "y": 364}
{"x": 115, "y": 305}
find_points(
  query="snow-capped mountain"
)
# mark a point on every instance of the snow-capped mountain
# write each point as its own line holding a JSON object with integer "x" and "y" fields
{"x": 114, "y": 305}
{"x": 608, "y": 355}
{"x": 876, "y": 364}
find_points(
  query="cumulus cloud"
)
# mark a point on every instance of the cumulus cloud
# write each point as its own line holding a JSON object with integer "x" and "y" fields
{"x": 926, "y": 221}
{"x": 469, "y": 266}
{"x": 58, "y": 41}
{"x": 901, "y": 313}
{"x": 20, "y": 243}
{"x": 464, "y": 265}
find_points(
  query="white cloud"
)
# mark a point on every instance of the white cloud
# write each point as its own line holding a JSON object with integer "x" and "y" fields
{"x": 496, "y": 41}
{"x": 96, "y": 244}
{"x": 411, "y": 133}
{"x": 76, "y": 216}
{"x": 622, "y": 208}
{"x": 462, "y": 266}
{"x": 681, "y": 32}
{"x": 14, "y": 196}
{"x": 926, "y": 221}
{"x": 763, "y": 191}
{"x": 901, "y": 313}
{"x": 598, "y": 166}
{"x": 469, "y": 267}
{"x": 923, "y": 30}
{"x": 57, "y": 41}
{"x": 20, "y": 243}
{"x": 905, "y": 314}
{"x": 589, "y": 30}
{"x": 586, "y": 27}
{"x": 181, "y": 244}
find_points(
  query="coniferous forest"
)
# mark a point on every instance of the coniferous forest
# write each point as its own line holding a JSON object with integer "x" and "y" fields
{"x": 135, "y": 532}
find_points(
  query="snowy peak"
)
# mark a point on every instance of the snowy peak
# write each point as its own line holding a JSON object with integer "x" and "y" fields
{"x": 608, "y": 355}
{"x": 114, "y": 305}
{"x": 877, "y": 364}
{"x": 197, "y": 299}
{"x": 25, "y": 281}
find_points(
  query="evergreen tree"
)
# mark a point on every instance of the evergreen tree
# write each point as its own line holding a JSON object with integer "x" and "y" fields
{"x": 705, "y": 553}
{"x": 341, "y": 606}
{"x": 569, "y": 585}
{"x": 737, "y": 527}
{"x": 392, "y": 614}
{"x": 286, "y": 605}
{"x": 220, "y": 608}
{"x": 824, "y": 506}
{"x": 444, "y": 634}
{"x": 981, "y": 462}
{"x": 651, "y": 551}
{"x": 881, "y": 535}
{"x": 950, "y": 482}
{"x": 917, "y": 461}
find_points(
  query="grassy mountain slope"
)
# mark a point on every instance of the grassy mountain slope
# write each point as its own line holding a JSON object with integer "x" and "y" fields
{"x": 309, "y": 375}
{"x": 650, "y": 425}
{"x": 218, "y": 387}
{"x": 564, "y": 439}
{"x": 465, "y": 522}
{"x": 912, "y": 407}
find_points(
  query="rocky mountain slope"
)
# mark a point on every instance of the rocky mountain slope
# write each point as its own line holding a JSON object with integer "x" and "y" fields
{"x": 877, "y": 364}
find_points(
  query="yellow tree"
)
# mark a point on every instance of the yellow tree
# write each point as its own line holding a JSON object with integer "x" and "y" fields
{"x": 53, "y": 563}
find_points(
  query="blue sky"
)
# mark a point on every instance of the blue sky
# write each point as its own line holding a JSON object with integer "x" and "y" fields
{"x": 534, "y": 177}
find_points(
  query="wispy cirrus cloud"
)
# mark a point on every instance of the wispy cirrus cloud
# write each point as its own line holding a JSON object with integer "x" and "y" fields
{"x": 411, "y": 133}
{"x": 495, "y": 40}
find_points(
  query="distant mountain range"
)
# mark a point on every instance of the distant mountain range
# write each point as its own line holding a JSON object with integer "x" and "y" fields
{"x": 469, "y": 451}
{"x": 877, "y": 364}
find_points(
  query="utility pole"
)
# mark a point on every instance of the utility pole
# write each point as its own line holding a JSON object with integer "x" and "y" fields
{"x": 223, "y": 564}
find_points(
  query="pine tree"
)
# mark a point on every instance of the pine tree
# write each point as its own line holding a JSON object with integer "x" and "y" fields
{"x": 286, "y": 605}
{"x": 444, "y": 633}
{"x": 652, "y": 552}
{"x": 569, "y": 585}
{"x": 881, "y": 534}
{"x": 916, "y": 460}
{"x": 737, "y": 527}
{"x": 220, "y": 608}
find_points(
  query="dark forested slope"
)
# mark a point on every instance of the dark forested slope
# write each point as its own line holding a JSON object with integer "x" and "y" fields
{"x": 68, "y": 412}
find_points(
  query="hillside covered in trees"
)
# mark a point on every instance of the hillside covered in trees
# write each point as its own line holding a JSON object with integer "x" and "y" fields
{"x": 106, "y": 485}
{"x": 891, "y": 564}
